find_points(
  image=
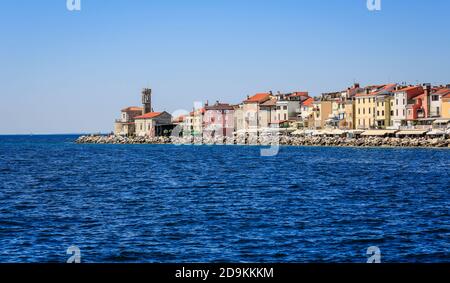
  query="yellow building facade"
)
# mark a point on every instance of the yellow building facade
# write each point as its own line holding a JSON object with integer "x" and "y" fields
{"x": 365, "y": 111}
{"x": 446, "y": 107}
{"x": 383, "y": 111}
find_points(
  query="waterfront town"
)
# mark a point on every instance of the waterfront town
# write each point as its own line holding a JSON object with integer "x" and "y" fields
{"x": 379, "y": 114}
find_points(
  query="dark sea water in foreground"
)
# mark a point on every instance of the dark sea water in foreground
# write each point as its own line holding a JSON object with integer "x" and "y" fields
{"x": 163, "y": 203}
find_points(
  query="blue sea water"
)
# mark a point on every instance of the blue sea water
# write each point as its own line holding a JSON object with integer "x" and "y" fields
{"x": 164, "y": 203}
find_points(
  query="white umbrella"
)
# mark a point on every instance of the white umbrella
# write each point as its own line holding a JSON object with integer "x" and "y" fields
{"x": 298, "y": 133}
{"x": 436, "y": 132}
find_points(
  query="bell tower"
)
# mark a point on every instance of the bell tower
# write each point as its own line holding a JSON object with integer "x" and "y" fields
{"x": 147, "y": 101}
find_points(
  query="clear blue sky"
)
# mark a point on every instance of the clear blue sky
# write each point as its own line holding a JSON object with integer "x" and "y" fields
{"x": 68, "y": 72}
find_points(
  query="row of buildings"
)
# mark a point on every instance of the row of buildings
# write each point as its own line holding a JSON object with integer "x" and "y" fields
{"x": 386, "y": 106}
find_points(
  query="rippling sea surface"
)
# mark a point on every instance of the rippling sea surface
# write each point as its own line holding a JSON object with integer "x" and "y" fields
{"x": 164, "y": 203}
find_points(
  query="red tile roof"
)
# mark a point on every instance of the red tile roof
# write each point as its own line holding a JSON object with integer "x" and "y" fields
{"x": 150, "y": 115}
{"x": 408, "y": 89}
{"x": 308, "y": 102}
{"x": 412, "y": 91}
{"x": 258, "y": 98}
{"x": 132, "y": 109}
{"x": 202, "y": 111}
{"x": 376, "y": 90}
{"x": 270, "y": 102}
{"x": 219, "y": 106}
{"x": 443, "y": 91}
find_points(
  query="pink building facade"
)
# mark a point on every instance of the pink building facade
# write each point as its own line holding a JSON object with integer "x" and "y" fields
{"x": 218, "y": 120}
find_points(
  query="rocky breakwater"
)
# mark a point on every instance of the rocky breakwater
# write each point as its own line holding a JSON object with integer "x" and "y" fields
{"x": 274, "y": 140}
{"x": 98, "y": 139}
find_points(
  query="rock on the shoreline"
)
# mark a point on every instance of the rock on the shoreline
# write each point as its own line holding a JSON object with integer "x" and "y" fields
{"x": 273, "y": 140}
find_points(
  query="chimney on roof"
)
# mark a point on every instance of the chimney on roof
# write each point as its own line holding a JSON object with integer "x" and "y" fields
{"x": 270, "y": 92}
{"x": 356, "y": 85}
{"x": 207, "y": 103}
{"x": 367, "y": 90}
{"x": 248, "y": 97}
{"x": 217, "y": 102}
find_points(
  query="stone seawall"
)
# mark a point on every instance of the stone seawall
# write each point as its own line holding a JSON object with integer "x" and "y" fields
{"x": 282, "y": 140}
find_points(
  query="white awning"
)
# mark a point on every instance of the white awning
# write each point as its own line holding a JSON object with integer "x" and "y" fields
{"x": 436, "y": 132}
{"x": 298, "y": 133}
{"x": 355, "y": 132}
{"x": 323, "y": 133}
{"x": 379, "y": 132}
{"x": 411, "y": 132}
{"x": 338, "y": 132}
{"x": 441, "y": 121}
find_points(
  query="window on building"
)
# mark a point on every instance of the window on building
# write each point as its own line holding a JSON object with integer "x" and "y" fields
{"x": 285, "y": 116}
{"x": 369, "y": 110}
{"x": 435, "y": 98}
{"x": 403, "y": 112}
{"x": 359, "y": 111}
{"x": 382, "y": 112}
{"x": 438, "y": 112}
{"x": 396, "y": 101}
{"x": 378, "y": 113}
{"x": 285, "y": 107}
{"x": 364, "y": 111}
{"x": 396, "y": 112}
